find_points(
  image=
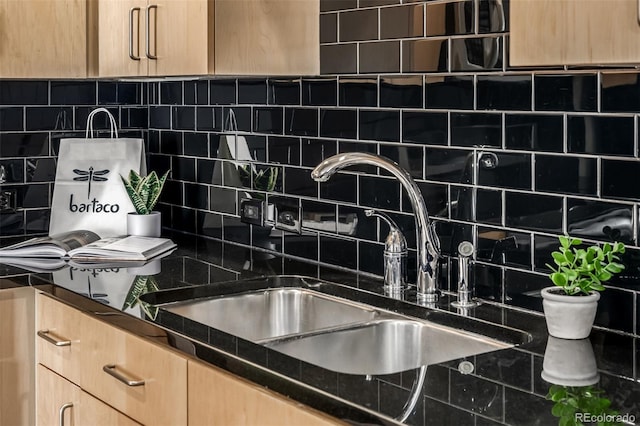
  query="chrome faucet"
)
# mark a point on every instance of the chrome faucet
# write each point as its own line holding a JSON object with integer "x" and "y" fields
{"x": 428, "y": 245}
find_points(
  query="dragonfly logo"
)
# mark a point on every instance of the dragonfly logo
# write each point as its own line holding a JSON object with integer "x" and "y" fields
{"x": 89, "y": 176}
{"x": 93, "y": 206}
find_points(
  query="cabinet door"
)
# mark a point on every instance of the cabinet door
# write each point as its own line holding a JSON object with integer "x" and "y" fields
{"x": 274, "y": 37}
{"x": 43, "y": 38}
{"x": 97, "y": 413}
{"x": 216, "y": 397}
{"x": 121, "y": 38}
{"x": 574, "y": 32}
{"x": 58, "y": 337}
{"x": 16, "y": 356}
{"x": 57, "y": 399}
{"x": 178, "y": 38}
{"x": 142, "y": 380}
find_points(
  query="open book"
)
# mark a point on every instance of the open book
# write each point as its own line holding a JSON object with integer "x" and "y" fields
{"x": 87, "y": 247}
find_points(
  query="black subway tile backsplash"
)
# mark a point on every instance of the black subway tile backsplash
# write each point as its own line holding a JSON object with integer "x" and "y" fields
{"x": 507, "y": 158}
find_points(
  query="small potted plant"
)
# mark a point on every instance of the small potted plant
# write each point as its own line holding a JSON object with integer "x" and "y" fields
{"x": 570, "y": 306}
{"x": 578, "y": 405}
{"x": 144, "y": 193}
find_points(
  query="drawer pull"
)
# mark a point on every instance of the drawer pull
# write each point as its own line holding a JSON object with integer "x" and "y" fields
{"x": 49, "y": 338}
{"x": 61, "y": 413}
{"x": 110, "y": 369}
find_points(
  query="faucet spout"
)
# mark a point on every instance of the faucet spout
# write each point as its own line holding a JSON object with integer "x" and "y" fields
{"x": 428, "y": 244}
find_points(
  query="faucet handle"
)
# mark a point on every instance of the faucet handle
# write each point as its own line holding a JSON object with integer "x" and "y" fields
{"x": 395, "y": 241}
{"x": 395, "y": 254}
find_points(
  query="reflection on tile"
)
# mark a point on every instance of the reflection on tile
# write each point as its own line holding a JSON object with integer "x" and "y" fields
{"x": 599, "y": 220}
{"x": 328, "y": 5}
{"x": 341, "y": 187}
{"x": 380, "y": 125}
{"x": 321, "y": 91}
{"x": 379, "y": 192}
{"x": 601, "y": 135}
{"x": 38, "y": 118}
{"x": 314, "y": 151}
{"x": 435, "y": 196}
{"x": 504, "y": 247}
{"x": 615, "y": 179}
{"x": 196, "y": 196}
{"x": 23, "y": 144}
{"x": 338, "y": 59}
{"x": 402, "y": 21}
{"x": 569, "y": 175}
{"x": 401, "y": 92}
{"x": 534, "y": 132}
{"x": 492, "y": 16}
{"x": 341, "y": 252}
{"x": 319, "y": 216}
{"x": 566, "y": 92}
{"x": 424, "y": 55}
{"x": 284, "y": 92}
{"x": 301, "y": 121}
{"x": 379, "y": 57}
{"x": 299, "y": 182}
{"x": 543, "y": 247}
{"x": 359, "y": 25}
{"x": 476, "y": 54}
{"x": 409, "y": 158}
{"x": 488, "y": 206}
{"x": 448, "y": 165}
{"x": 504, "y": 92}
{"x": 171, "y": 92}
{"x": 268, "y": 120}
{"x": 476, "y": 129}
{"x": 184, "y": 118}
{"x": 504, "y": 170}
{"x": 73, "y": 93}
{"x": 536, "y": 212}
{"x": 369, "y": 257}
{"x": 222, "y": 92}
{"x": 27, "y": 92}
{"x": 338, "y": 123}
{"x": 430, "y": 128}
{"x": 371, "y": 3}
{"x": 450, "y": 18}
{"x": 252, "y": 91}
{"x": 284, "y": 150}
{"x": 454, "y": 92}
{"x": 620, "y": 92}
{"x": 328, "y": 28}
{"x": 209, "y": 118}
{"x": 358, "y": 91}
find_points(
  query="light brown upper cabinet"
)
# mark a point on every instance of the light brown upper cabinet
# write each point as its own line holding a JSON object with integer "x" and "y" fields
{"x": 43, "y": 38}
{"x": 202, "y": 37}
{"x": 154, "y": 38}
{"x": 267, "y": 37}
{"x": 574, "y": 32}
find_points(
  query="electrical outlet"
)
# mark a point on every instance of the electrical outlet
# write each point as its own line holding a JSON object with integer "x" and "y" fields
{"x": 7, "y": 200}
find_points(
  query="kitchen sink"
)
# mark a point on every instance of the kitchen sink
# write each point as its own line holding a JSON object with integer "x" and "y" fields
{"x": 320, "y": 323}
{"x": 386, "y": 347}
{"x": 272, "y": 313}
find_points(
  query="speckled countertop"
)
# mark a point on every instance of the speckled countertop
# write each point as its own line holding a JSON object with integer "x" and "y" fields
{"x": 505, "y": 386}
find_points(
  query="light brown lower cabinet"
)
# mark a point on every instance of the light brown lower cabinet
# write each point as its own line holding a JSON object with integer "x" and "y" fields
{"x": 60, "y": 402}
{"x": 219, "y": 398}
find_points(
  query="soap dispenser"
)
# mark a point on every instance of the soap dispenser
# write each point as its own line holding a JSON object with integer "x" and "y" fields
{"x": 395, "y": 254}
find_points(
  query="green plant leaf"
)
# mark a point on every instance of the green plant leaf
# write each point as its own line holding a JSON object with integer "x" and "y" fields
{"x": 564, "y": 241}
{"x": 559, "y": 279}
{"x": 559, "y": 258}
{"x": 136, "y": 199}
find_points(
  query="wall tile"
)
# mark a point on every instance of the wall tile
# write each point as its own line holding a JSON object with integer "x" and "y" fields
{"x": 338, "y": 59}
{"x": 252, "y": 91}
{"x": 27, "y": 92}
{"x": 620, "y": 92}
{"x": 401, "y": 92}
{"x": 329, "y": 28}
{"x": 565, "y": 92}
{"x": 222, "y": 92}
{"x": 424, "y": 55}
{"x": 454, "y": 92}
{"x": 534, "y": 132}
{"x": 450, "y": 18}
{"x": 535, "y": 212}
{"x": 429, "y": 128}
{"x": 359, "y": 25}
{"x": 379, "y": 57}
{"x": 283, "y": 92}
{"x": 505, "y": 93}
{"x": 358, "y": 91}
{"x": 475, "y": 54}
{"x": 402, "y": 21}
{"x": 380, "y": 125}
{"x": 569, "y": 175}
{"x": 476, "y": 129}
{"x": 338, "y": 123}
{"x": 11, "y": 119}
{"x": 606, "y": 135}
{"x": 301, "y": 121}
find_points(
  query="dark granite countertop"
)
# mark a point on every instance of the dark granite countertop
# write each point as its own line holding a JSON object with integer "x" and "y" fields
{"x": 505, "y": 386}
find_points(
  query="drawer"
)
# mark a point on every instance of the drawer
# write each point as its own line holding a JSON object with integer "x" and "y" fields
{"x": 144, "y": 380}
{"x": 58, "y": 343}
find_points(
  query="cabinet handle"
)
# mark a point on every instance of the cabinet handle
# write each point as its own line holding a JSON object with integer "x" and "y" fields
{"x": 148, "y": 41}
{"x": 131, "y": 13}
{"x": 110, "y": 369}
{"x": 61, "y": 412}
{"x": 48, "y": 337}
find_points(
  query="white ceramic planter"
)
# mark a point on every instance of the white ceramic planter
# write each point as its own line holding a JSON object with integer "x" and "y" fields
{"x": 569, "y": 317}
{"x": 569, "y": 363}
{"x": 144, "y": 225}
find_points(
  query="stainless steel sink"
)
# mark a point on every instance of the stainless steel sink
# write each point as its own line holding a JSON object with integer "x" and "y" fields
{"x": 386, "y": 347}
{"x": 272, "y": 313}
{"x": 318, "y": 322}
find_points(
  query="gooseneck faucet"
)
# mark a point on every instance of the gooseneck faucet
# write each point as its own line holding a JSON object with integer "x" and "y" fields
{"x": 428, "y": 244}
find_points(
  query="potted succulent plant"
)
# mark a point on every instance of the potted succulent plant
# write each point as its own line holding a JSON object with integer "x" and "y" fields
{"x": 570, "y": 306}
{"x": 144, "y": 193}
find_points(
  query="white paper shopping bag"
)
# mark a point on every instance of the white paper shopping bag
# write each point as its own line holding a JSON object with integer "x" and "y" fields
{"x": 88, "y": 192}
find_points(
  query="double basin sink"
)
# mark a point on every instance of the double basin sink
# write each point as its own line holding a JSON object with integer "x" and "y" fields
{"x": 320, "y": 323}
